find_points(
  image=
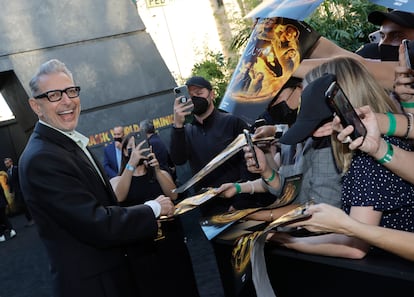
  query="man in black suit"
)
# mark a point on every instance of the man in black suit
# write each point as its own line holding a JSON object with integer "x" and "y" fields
{"x": 69, "y": 196}
{"x": 14, "y": 186}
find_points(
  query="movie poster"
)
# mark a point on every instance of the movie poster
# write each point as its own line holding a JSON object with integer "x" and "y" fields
{"x": 274, "y": 51}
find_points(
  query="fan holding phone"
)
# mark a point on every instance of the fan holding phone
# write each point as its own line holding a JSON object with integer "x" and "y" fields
{"x": 371, "y": 193}
{"x": 142, "y": 180}
{"x": 409, "y": 52}
{"x": 341, "y": 106}
{"x": 404, "y": 75}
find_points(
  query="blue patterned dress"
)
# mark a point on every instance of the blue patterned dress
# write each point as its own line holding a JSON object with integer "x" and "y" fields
{"x": 368, "y": 183}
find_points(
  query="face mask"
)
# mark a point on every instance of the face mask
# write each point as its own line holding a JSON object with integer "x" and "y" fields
{"x": 200, "y": 105}
{"x": 119, "y": 139}
{"x": 388, "y": 52}
{"x": 281, "y": 113}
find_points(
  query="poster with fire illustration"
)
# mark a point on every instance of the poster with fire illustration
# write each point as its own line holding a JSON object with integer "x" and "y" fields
{"x": 274, "y": 51}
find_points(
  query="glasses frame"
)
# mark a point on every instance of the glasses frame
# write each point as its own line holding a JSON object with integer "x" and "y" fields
{"x": 46, "y": 94}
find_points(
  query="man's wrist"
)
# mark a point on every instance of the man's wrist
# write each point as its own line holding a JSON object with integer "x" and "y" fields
{"x": 155, "y": 206}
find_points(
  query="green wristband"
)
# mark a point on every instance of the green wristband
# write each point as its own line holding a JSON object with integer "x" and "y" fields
{"x": 272, "y": 177}
{"x": 388, "y": 155}
{"x": 238, "y": 188}
{"x": 407, "y": 104}
{"x": 393, "y": 124}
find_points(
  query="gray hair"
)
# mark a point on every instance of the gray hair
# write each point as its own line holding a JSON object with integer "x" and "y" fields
{"x": 147, "y": 126}
{"x": 50, "y": 67}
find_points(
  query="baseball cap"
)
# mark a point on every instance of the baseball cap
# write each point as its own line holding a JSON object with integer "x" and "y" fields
{"x": 313, "y": 110}
{"x": 199, "y": 81}
{"x": 401, "y": 18}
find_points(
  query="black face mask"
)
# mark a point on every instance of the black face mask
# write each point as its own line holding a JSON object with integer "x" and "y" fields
{"x": 281, "y": 113}
{"x": 388, "y": 52}
{"x": 200, "y": 105}
{"x": 119, "y": 139}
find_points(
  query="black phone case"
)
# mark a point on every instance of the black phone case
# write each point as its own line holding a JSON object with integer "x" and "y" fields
{"x": 342, "y": 107}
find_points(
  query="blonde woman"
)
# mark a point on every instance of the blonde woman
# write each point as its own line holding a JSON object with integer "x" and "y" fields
{"x": 371, "y": 193}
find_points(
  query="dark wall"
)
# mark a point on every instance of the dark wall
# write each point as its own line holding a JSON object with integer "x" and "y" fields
{"x": 104, "y": 43}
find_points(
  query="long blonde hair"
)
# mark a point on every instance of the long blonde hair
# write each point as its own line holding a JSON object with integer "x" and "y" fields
{"x": 361, "y": 89}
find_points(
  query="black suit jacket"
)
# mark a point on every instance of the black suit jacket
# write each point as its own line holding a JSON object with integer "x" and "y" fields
{"x": 78, "y": 219}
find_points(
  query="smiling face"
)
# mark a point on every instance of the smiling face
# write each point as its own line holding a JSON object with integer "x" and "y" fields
{"x": 62, "y": 114}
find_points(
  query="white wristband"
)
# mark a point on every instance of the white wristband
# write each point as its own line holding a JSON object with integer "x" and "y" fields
{"x": 251, "y": 187}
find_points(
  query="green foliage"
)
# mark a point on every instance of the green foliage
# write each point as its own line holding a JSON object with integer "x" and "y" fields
{"x": 344, "y": 21}
{"x": 214, "y": 68}
{"x": 218, "y": 69}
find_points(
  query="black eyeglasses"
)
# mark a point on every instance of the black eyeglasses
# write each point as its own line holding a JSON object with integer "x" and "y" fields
{"x": 56, "y": 95}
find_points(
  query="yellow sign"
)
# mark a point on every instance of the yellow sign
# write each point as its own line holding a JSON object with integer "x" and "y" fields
{"x": 157, "y": 3}
{"x": 105, "y": 137}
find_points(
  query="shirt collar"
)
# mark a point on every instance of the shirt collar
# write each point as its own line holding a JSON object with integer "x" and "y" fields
{"x": 208, "y": 120}
{"x": 77, "y": 137}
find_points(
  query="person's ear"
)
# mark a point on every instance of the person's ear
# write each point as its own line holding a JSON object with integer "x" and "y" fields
{"x": 34, "y": 104}
{"x": 213, "y": 95}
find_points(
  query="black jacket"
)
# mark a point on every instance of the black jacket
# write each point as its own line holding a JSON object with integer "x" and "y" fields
{"x": 78, "y": 219}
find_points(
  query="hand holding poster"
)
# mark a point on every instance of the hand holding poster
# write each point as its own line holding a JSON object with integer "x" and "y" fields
{"x": 273, "y": 53}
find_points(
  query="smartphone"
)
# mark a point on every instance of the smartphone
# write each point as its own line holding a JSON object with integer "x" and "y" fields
{"x": 182, "y": 91}
{"x": 257, "y": 123}
{"x": 374, "y": 37}
{"x": 250, "y": 144}
{"x": 409, "y": 52}
{"x": 342, "y": 107}
{"x": 139, "y": 137}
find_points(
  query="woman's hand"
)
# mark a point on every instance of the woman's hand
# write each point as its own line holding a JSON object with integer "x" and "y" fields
{"x": 152, "y": 161}
{"x": 324, "y": 130}
{"x": 371, "y": 143}
{"x": 264, "y": 131}
{"x": 404, "y": 78}
{"x": 324, "y": 218}
{"x": 250, "y": 161}
{"x": 227, "y": 190}
{"x": 138, "y": 153}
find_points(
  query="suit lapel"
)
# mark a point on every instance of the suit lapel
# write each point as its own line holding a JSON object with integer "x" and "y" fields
{"x": 62, "y": 140}
{"x": 105, "y": 177}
